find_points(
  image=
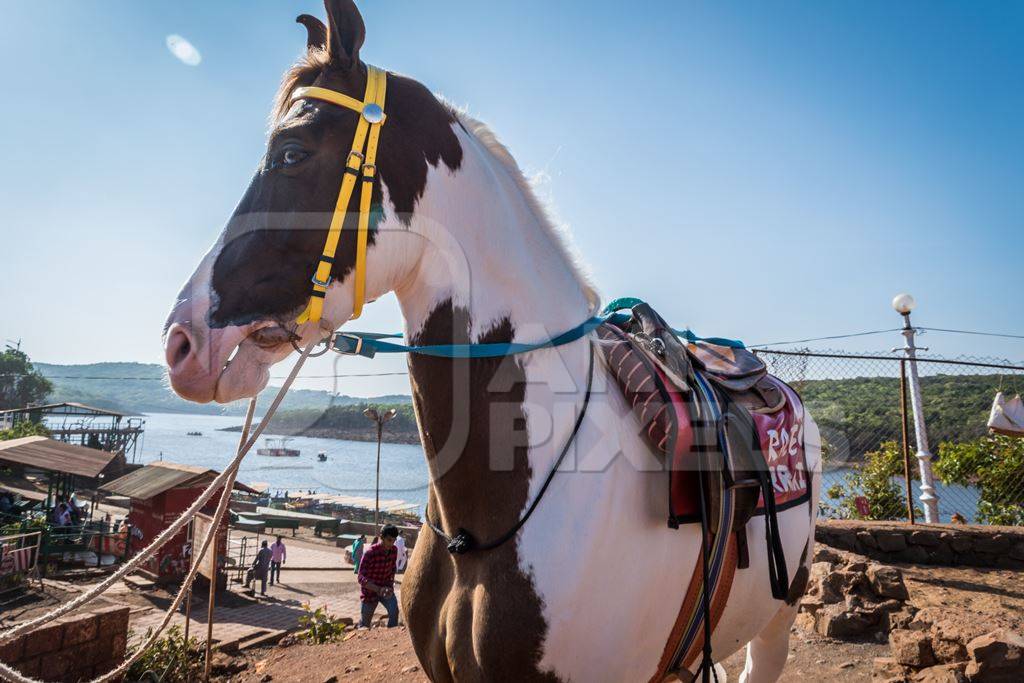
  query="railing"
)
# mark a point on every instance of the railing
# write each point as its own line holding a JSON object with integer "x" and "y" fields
{"x": 238, "y": 556}
{"x": 19, "y": 558}
{"x": 870, "y": 471}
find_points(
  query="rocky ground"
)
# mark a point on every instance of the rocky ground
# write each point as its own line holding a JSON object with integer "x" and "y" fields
{"x": 861, "y": 621}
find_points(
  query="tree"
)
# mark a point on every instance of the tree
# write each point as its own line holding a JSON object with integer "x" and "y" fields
{"x": 20, "y": 383}
{"x": 24, "y": 428}
{"x": 995, "y": 465}
{"x": 874, "y": 481}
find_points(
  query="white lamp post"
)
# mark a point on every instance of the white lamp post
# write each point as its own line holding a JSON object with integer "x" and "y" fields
{"x": 904, "y": 304}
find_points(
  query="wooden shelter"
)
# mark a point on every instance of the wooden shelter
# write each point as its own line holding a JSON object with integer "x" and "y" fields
{"x": 65, "y": 466}
{"x": 83, "y": 425}
{"x": 159, "y": 493}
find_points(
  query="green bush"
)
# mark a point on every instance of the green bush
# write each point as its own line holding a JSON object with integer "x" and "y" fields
{"x": 319, "y": 626}
{"x": 171, "y": 658}
{"x": 995, "y": 466}
{"x": 873, "y": 480}
{"x": 24, "y": 428}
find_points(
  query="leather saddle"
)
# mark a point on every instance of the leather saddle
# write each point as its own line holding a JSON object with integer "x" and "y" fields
{"x": 737, "y": 371}
{"x": 657, "y": 374}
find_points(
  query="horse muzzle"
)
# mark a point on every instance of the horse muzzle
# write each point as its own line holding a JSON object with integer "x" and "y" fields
{"x": 200, "y": 365}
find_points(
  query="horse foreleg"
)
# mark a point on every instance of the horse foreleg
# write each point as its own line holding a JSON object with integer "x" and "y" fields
{"x": 768, "y": 651}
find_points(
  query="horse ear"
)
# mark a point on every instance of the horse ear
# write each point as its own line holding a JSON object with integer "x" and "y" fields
{"x": 316, "y": 32}
{"x": 346, "y": 34}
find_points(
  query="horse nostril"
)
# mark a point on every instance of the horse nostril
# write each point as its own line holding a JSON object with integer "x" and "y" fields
{"x": 183, "y": 350}
{"x": 179, "y": 346}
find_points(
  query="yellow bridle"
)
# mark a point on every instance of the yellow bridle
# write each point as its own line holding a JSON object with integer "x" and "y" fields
{"x": 359, "y": 163}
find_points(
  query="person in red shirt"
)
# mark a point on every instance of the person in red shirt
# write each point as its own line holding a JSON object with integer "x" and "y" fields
{"x": 377, "y": 577}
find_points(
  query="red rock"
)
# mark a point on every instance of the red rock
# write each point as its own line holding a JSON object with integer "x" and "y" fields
{"x": 996, "y": 656}
{"x": 887, "y": 669}
{"x": 11, "y": 652}
{"x": 943, "y": 673}
{"x": 44, "y": 639}
{"x": 79, "y": 630}
{"x": 912, "y": 648}
{"x": 887, "y": 582}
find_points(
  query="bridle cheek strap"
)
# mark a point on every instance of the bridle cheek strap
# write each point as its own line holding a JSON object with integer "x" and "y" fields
{"x": 359, "y": 165}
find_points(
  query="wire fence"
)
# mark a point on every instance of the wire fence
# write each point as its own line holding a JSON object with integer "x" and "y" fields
{"x": 863, "y": 406}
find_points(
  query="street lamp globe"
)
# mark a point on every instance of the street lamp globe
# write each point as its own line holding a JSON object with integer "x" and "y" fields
{"x": 903, "y": 303}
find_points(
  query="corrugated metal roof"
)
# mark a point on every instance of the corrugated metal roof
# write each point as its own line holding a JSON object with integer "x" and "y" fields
{"x": 157, "y": 477}
{"x": 43, "y": 453}
{"x": 66, "y": 408}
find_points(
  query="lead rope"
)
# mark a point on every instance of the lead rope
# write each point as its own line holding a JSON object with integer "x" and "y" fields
{"x": 226, "y": 479}
{"x": 463, "y": 542}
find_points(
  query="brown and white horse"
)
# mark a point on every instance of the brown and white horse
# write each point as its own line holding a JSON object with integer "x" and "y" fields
{"x": 590, "y": 587}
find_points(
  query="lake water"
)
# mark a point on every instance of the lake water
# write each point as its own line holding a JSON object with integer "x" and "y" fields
{"x": 351, "y": 465}
{"x": 350, "y": 468}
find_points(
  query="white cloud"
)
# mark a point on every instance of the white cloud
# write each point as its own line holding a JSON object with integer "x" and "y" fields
{"x": 185, "y": 51}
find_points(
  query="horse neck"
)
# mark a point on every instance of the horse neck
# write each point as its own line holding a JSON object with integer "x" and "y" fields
{"x": 491, "y": 270}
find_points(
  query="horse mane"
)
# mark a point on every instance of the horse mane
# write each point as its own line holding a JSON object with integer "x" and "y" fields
{"x": 301, "y": 74}
{"x": 311, "y": 64}
{"x": 560, "y": 236}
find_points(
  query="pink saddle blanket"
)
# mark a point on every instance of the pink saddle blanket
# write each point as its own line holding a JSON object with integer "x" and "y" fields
{"x": 781, "y": 440}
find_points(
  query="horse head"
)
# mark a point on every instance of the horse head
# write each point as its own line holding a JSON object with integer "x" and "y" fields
{"x": 237, "y": 315}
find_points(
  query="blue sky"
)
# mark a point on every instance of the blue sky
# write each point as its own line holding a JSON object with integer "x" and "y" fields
{"x": 793, "y": 166}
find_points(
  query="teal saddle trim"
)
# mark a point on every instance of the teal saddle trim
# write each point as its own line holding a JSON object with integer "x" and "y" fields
{"x": 369, "y": 344}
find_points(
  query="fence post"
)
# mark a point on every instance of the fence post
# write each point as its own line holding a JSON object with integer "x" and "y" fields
{"x": 904, "y": 303}
{"x": 906, "y": 448}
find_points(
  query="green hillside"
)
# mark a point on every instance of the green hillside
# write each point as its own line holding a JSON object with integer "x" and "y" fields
{"x": 866, "y": 410}
{"x": 143, "y": 388}
{"x": 346, "y": 422}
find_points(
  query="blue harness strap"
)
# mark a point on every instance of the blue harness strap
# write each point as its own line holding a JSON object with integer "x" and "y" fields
{"x": 369, "y": 344}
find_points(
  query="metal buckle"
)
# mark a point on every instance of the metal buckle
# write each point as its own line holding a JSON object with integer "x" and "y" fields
{"x": 350, "y": 345}
{"x": 320, "y": 283}
{"x": 358, "y": 155}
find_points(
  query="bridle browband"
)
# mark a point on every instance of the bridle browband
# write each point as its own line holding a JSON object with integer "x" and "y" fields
{"x": 359, "y": 164}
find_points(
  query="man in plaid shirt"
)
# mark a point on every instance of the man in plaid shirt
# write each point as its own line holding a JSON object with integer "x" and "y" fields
{"x": 377, "y": 577}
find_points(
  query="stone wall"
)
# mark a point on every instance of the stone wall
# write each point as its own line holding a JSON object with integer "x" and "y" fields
{"x": 940, "y": 544}
{"x": 74, "y": 648}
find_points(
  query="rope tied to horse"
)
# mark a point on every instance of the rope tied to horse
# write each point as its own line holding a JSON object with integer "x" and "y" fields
{"x": 225, "y": 479}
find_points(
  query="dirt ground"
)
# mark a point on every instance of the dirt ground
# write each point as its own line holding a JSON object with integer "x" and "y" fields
{"x": 980, "y": 599}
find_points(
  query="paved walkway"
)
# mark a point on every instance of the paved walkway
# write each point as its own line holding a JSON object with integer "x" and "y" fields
{"x": 301, "y": 554}
{"x": 335, "y": 590}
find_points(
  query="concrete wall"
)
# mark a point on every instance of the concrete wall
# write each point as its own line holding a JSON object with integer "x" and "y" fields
{"x": 938, "y": 544}
{"x": 74, "y": 648}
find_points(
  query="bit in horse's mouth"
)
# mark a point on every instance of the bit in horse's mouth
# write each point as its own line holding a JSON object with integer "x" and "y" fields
{"x": 272, "y": 336}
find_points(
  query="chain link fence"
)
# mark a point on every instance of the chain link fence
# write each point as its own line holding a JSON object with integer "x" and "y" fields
{"x": 862, "y": 404}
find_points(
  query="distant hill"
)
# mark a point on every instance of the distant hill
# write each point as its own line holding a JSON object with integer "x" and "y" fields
{"x": 345, "y": 422}
{"x": 143, "y": 388}
{"x": 866, "y": 410}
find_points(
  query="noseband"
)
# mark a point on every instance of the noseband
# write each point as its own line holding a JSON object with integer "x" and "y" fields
{"x": 360, "y": 163}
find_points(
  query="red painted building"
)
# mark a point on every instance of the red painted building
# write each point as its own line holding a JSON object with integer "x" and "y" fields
{"x": 159, "y": 493}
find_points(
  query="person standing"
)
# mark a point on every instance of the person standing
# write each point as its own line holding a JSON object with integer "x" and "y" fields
{"x": 261, "y": 566}
{"x": 357, "y": 552}
{"x": 377, "y": 578}
{"x": 278, "y": 556}
{"x": 403, "y": 553}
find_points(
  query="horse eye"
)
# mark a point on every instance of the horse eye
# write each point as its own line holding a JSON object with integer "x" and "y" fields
{"x": 292, "y": 156}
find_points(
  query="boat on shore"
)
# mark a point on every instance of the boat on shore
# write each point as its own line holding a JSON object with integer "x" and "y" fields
{"x": 277, "y": 448}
